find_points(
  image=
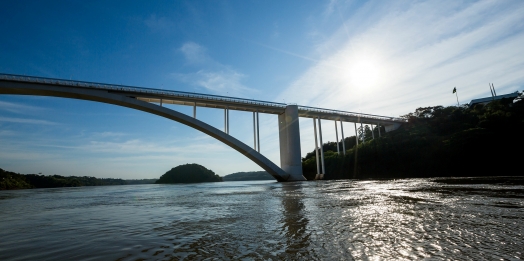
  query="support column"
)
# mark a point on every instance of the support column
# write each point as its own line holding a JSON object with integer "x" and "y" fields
{"x": 379, "y": 131}
{"x": 363, "y": 132}
{"x": 316, "y": 148}
{"x": 258, "y": 135}
{"x": 372, "y": 131}
{"x": 254, "y": 133}
{"x": 321, "y": 148}
{"x": 336, "y": 136}
{"x": 194, "y": 110}
{"x": 356, "y": 152}
{"x": 343, "y": 140}
{"x": 227, "y": 121}
{"x": 289, "y": 136}
{"x": 160, "y": 102}
{"x": 356, "y": 133}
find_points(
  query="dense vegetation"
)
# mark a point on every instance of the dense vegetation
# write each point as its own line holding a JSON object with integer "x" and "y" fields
{"x": 11, "y": 180}
{"x": 140, "y": 181}
{"x": 251, "y": 175}
{"x": 188, "y": 173}
{"x": 483, "y": 140}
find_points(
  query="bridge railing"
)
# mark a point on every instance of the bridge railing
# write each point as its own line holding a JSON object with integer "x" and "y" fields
{"x": 350, "y": 114}
{"x": 116, "y": 87}
{"x": 171, "y": 93}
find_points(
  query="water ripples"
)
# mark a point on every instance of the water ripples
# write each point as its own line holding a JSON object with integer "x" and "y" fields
{"x": 340, "y": 220}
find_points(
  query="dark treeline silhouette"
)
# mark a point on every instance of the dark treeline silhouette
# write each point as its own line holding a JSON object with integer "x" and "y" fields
{"x": 188, "y": 173}
{"x": 11, "y": 180}
{"x": 249, "y": 175}
{"x": 484, "y": 140}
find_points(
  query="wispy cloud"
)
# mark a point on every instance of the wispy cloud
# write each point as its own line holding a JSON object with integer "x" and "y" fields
{"x": 225, "y": 82}
{"x": 18, "y": 108}
{"x": 151, "y": 156}
{"x": 211, "y": 75}
{"x": 27, "y": 121}
{"x": 108, "y": 134}
{"x": 194, "y": 53}
{"x": 413, "y": 54}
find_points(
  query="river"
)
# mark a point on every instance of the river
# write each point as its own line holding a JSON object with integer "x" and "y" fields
{"x": 264, "y": 220}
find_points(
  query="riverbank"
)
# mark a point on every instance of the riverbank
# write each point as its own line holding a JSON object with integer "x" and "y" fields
{"x": 11, "y": 180}
{"x": 483, "y": 140}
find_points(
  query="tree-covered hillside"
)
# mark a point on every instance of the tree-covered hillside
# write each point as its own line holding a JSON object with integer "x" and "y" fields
{"x": 11, "y": 180}
{"x": 189, "y": 173}
{"x": 251, "y": 175}
{"x": 484, "y": 140}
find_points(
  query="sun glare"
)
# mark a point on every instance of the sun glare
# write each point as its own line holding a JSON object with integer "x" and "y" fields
{"x": 365, "y": 74}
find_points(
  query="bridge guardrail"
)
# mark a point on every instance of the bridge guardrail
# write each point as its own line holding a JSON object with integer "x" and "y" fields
{"x": 84, "y": 84}
{"x": 351, "y": 114}
{"x": 117, "y": 87}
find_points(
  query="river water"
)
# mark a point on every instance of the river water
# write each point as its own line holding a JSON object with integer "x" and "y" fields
{"x": 264, "y": 220}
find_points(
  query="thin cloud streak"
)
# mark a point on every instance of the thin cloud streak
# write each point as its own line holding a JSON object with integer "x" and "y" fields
{"x": 18, "y": 108}
{"x": 27, "y": 121}
{"x": 421, "y": 52}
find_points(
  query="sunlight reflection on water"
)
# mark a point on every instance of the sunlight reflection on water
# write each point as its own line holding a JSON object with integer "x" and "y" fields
{"x": 362, "y": 220}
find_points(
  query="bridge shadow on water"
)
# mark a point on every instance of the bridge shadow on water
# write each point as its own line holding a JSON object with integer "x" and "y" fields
{"x": 294, "y": 219}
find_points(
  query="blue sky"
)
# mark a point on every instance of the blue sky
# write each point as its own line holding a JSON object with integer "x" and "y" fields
{"x": 378, "y": 57}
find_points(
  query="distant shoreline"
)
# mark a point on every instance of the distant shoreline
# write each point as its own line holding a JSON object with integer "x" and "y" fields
{"x": 11, "y": 181}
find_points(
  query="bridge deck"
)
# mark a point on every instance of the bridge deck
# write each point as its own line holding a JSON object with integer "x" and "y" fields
{"x": 206, "y": 100}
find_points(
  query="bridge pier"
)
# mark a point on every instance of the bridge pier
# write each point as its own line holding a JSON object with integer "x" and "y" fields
{"x": 321, "y": 175}
{"x": 194, "y": 110}
{"x": 356, "y": 134}
{"x": 336, "y": 136}
{"x": 289, "y": 136}
{"x": 316, "y": 148}
{"x": 258, "y": 135}
{"x": 254, "y": 133}
{"x": 226, "y": 120}
{"x": 343, "y": 140}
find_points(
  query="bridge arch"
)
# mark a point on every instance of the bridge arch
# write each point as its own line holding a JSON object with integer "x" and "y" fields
{"x": 107, "y": 96}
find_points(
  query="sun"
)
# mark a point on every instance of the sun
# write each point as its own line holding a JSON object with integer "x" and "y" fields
{"x": 365, "y": 74}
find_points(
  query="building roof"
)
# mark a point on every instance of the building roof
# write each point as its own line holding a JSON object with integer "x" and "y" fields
{"x": 489, "y": 99}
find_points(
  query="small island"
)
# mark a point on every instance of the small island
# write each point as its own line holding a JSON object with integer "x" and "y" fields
{"x": 188, "y": 173}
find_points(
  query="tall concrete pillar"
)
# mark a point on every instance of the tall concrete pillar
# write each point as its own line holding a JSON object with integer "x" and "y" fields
{"x": 356, "y": 134}
{"x": 227, "y": 117}
{"x": 343, "y": 140}
{"x": 336, "y": 135}
{"x": 321, "y": 148}
{"x": 254, "y": 133}
{"x": 258, "y": 135}
{"x": 289, "y": 136}
{"x": 319, "y": 174}
{"x": 316, "y": 146}
{"x": 363, "y": 132}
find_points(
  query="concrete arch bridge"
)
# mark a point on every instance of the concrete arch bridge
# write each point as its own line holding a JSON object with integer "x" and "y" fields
{"x": 151, "y": 101}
